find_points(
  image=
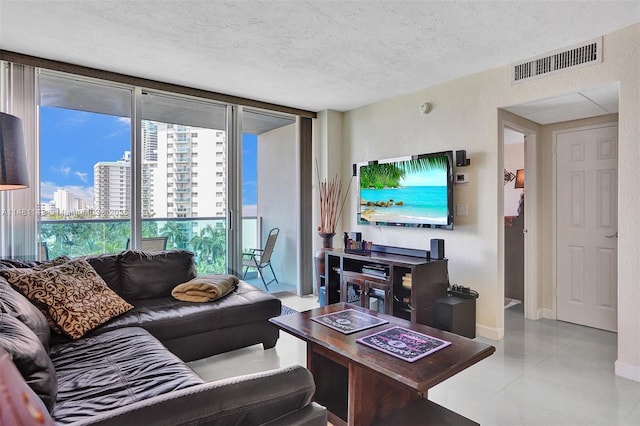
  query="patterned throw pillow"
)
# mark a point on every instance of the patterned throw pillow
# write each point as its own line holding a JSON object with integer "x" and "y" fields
{"x": 38, "y": 266}
{"x": 74, "y": 296}
{"x": 51, "y": 263}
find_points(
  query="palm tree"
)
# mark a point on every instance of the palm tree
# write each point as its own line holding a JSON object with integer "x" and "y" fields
{"x": 388, "y": 175}
{"x": 423, "y": 163}
{"x": 210, "y": 249}
{"x": 176, "y": 233}
{"x": 61, "y": 236}
{"x": 378, "y": 176}
{"x": 149, "y": 228}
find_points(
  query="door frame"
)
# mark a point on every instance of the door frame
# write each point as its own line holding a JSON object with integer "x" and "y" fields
{"x": 554, "y": 207}
{"x": 532, "y": 308}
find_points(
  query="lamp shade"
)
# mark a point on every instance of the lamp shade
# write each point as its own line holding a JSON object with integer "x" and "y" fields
{"x": 519, "y": 178}
{"x": 13, "y": 158}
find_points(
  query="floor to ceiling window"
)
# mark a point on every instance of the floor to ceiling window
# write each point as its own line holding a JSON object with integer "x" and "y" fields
{"x": 88, "y": 170}
{"x": 85, "y": 166}
{"x": 120, "y": 165}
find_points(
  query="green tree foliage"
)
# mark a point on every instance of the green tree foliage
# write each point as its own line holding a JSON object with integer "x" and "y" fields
{"x": 380, "y": 176}
{"x": 388, "y": 175}
{"x": 90, "y": 237}
{"x": 210, "y": 248}
{"x": 84, "y": 237}
{"x": 177, "y": 234}
{"x": 149, "y": 228}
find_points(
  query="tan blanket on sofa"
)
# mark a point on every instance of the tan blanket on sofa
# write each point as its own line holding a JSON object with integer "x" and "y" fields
{"x": 205, "y": 288}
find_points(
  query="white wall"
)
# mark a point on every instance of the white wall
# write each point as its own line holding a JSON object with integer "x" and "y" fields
{"x": 327, "y": 147}
{"x": 465, "y": 116}
{"x": 277, "y": 197}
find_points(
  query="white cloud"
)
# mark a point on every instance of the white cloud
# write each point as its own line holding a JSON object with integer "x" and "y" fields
{"x": 125, "y": 127}
{"x": 249, "y": 210}
{"x": 83, "y": 192}
{"x": 73, "y": 119}
{"x": 82, "y": 176}
{"x": 63, "y": 170}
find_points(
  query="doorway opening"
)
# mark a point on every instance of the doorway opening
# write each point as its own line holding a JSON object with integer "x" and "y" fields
{"x": 545, "y": 118}
{"x": 514, "y": 219}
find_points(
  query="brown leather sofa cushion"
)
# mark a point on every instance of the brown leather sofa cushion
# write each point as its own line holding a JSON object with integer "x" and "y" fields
{"x": 100, "y": 373}
{"x": 18, "y": 306}
{"x": 167, "y": 318}
{"x": 106, "y": 265}
{"x": 30, "y": 358}
{"x": 149, "y": 275}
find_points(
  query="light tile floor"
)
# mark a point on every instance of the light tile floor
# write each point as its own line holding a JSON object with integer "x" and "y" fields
{"x": 543, "y": 373}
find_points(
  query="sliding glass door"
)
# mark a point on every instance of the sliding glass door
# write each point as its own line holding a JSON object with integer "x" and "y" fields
{"x": 183, "y": 167}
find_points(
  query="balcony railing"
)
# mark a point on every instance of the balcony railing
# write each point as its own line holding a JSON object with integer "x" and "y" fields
{"x": 205, "y": 237}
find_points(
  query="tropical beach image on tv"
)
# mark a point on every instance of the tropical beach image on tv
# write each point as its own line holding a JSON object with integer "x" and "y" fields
{"x": 410, "y": 191}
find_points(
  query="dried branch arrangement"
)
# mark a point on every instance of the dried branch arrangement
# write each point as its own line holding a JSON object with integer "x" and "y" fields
{"x": 330, "y": 209}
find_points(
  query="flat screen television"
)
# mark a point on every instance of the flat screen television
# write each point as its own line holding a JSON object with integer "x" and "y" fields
{"x": 412, "y": 191}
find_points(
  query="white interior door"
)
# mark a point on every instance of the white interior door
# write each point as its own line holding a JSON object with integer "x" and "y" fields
{"x": 586, "y": 226}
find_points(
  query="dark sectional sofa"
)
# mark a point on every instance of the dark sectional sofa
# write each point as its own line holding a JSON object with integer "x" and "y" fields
{"x": 189, "y": 330}
{"x": 131, "y": 370}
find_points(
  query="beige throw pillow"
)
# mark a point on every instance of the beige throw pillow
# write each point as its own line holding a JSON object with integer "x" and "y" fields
{"x": 73, "y": 295}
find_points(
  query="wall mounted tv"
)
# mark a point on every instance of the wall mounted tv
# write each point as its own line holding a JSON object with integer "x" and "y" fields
{"x": 412, "y": 191}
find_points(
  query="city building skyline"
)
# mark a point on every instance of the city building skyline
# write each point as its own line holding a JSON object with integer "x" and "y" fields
{"x": 183, "y": 167}
{"x": 112, "y": 187}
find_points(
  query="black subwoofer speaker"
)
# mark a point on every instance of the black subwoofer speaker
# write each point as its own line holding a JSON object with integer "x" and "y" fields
{"x": 456, "y": 315}
{"x": 437, "y": 249}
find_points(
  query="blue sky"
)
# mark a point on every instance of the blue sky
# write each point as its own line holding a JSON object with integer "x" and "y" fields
{"x": 73, "y": 141}
{"x": 431, "y": 177}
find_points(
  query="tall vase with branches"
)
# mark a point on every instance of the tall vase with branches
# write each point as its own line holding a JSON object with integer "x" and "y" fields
{"x": 331, "y": 206}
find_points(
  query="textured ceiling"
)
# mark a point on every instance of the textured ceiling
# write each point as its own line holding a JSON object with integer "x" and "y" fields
{"x": 313, "y": 55}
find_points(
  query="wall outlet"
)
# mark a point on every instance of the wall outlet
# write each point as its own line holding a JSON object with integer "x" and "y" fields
{"x": 461, "y": 178}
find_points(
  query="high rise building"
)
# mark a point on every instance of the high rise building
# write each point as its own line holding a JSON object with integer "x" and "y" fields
{"x": 112, "y": 187}
{"x": 183, "y": 174}
{"x": 63, "y": 200}
{"x": 189, "y": 177}
{"x": 66, "y": 203}
{"x": 149, "y": 166}
{"x": 149, "y": 141}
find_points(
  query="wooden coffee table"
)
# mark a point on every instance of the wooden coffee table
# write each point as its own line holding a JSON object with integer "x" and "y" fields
{"x": 360, "y": 385}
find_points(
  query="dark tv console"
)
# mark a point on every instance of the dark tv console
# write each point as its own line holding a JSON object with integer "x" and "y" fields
{"x": 393, "y": 280}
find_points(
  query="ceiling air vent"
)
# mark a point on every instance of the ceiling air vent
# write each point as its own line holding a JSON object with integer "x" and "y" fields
{"x": 581, "y": 55}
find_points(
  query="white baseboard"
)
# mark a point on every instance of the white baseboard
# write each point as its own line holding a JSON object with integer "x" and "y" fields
{"x": 628, "y": 371}
{"x": 489, "y": 332}
{"x": 547, "y": 313}
{"x": 537, "y": 314}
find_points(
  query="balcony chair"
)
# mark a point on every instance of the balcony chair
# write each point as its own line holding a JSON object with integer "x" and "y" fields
{"x": 261, "y": 258}
{"x": 152, "y": 243}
